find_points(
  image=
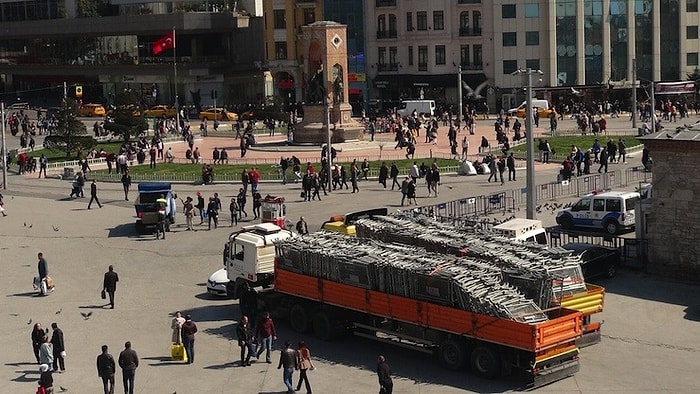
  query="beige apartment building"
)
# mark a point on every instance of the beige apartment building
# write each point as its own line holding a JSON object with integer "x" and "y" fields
{"x": 283, "y": 58}
{"x": 414, "y": 47}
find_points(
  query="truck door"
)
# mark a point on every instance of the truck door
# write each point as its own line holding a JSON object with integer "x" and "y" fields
{"x": 236, "y": 258}
{"x": 598, "y": 211}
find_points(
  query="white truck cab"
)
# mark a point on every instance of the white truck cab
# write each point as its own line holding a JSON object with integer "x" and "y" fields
{"x": 612, "y": 211}
{"x": 249, "y": 256}
{"x": 523, "y": 230}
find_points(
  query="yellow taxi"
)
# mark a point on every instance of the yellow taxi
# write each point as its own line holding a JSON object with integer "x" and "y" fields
{"x": 92, "y": 110}
{"x": 218, "y": 113}
{"x": 541, "y": 112}
{"x": 158, "y": 111}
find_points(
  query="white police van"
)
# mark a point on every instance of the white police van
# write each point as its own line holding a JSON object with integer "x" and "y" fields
{"x": 609, "y": 211}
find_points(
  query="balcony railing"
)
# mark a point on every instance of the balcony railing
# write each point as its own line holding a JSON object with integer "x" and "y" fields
{"x": 386, "y": 34}
{"x": 469, "y": 32}
{"x": 388, "y": 67}
{"x": 472, "y": 66}
{"x": 385, "y": 3}
{"x": 468, "y": 1}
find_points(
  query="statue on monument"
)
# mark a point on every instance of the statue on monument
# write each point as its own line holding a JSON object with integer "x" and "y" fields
{"x": 338, "y": 90}
{"x": 316, "y": 90}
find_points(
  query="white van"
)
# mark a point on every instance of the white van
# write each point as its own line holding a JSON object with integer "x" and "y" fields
{"x": 542, "y": 107}
{"x": 523, "y": 230}
{"x": 609, "y": 211}
{"x": 422, "y": 107}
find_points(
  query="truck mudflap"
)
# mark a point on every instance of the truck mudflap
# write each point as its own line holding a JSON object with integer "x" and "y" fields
{"x": 555, "y": 368}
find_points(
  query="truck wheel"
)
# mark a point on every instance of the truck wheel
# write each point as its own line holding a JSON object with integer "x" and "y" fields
{"x": 322, "y": 326}
{"x": 485, "y": 361}
{"x": 299, "y": 318}
{"x": 451, "y": 355}
{"x": 611, "y": 227}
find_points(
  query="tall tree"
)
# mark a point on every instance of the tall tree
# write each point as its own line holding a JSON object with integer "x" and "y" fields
{"x": 127, "y": 120}
{"x": 70, "y": 134}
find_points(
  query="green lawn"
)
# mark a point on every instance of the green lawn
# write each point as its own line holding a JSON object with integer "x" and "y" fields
{"x": 563, "y": 144}
{"x": 59, "y": 155}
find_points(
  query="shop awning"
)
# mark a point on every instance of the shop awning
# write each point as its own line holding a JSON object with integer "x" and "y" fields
{"x": 682, "y": 87}
{"x": 427, "y": 81}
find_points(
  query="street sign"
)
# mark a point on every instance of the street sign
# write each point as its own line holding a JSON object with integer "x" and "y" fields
{"x": 78, "y": 91}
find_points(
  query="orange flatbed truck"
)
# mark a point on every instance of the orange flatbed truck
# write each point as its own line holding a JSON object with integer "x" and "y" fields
{"x": 491, "y": 346}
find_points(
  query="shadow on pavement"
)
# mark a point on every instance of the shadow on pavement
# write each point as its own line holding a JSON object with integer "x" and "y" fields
{"x": 228, "y": 331}
{"x": 27, "y": 294}
{"x": 163, "y": 361}
{"x": 26, "y": 376}
{"x": 223, "y": 366}
{"x": 123, "y": 230}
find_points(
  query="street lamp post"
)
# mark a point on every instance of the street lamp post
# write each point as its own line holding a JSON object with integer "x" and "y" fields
{"x": 653, "y": 109}
{"x": 459, "y": 94}
{"x": 634, "y": 94}
{"x": 530, "y": 142}
{"x": 4, "y": 147}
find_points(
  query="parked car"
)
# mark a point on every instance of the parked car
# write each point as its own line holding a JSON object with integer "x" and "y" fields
{"x": 611, "y": 211}
{"x": 218, "y": 113}
{"x": 92, "y": 110}
{"x": 218, "y": 282}
{"x": 596, "y": 261}
{"x": 158, "y": 111}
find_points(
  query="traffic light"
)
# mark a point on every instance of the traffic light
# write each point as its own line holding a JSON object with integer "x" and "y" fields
{"x": 78, "y": 91}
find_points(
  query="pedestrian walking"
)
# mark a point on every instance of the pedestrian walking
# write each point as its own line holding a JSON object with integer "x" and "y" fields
{"x": 128, "y": 362}
{"x": 266, "y": 335}
{"x": 404, "y": 189}
{"x": 126, "y": 184}
{"x": 200, "y": 207}
{"x": 242, "y": 199}
{"x": 106, "y": 368}
{"x": 93, "y": 194}
{"x": 302, "y": 227}
{"x": 386, "y": 385}
{"x": 188, "y": 331}
{"x": 288, "y": 360}
{"x": 510, "y": 163}
{"x": 46, "y": 352}
{"x": 603, "y": 159}
{"x": 188, "y": 210}
{"x": 257, "y": 203}
{"x": 234, "y": 209}
{"x": 2, "y": 206}
{"x": 43, "y": 163}
{"x": 59, "y": 349}
{"x": 38, "y": 339}
{"x": 109, "y": 284}
{"x": 501, "y": 168}
{"x": 305, "y": 364}
{"x": 213, "y": 212}
{"x": 43, "y": 267}
{"x": 245, "y": 341}
{"x": 465, "y": 148}
{"x": 45, "y": 379}
{"x": 176, "y": 326}
{"x": 383, "y": 174}
{"x": 394, "y": 174}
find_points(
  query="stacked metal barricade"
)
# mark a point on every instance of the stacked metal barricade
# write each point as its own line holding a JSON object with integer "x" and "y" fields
{"x": 408, "y": 271}
{"x": 542, "y": 274}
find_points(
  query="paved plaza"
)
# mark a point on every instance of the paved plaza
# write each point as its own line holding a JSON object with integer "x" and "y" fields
{"x": 651, "y": 335}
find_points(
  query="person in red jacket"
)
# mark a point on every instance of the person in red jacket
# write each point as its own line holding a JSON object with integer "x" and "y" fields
{"x": 266, "y": 335}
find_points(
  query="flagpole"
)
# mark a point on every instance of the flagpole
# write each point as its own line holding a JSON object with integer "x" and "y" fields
{"x": 177, "y": 101}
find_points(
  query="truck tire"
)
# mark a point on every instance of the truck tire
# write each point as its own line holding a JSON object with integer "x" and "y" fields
{"x": 299, "y": 318}
{"x": 323, "y": 329}
{"x": 611, "y": 227}
{"x": 451, "y": 355}
{"x": 485, "y": 361}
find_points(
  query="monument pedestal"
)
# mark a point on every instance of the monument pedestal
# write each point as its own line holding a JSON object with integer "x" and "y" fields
{"x": 312, "y": 129}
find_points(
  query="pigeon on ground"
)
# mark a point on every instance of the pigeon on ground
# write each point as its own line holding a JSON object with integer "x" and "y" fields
{"x": 58, "y": 312}
{"x": 30, "y": 226}
{"x": 25, "y": 224}
{"x": 55, "y": 228}
{"x": 86, "y": 315}
{"x": 29, "y": 322}
{"x": 63, "y": 388}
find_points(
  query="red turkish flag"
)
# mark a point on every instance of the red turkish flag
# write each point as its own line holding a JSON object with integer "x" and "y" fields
{"x": 163, "y": 43}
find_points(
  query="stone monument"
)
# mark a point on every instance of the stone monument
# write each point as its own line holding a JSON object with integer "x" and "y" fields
{"x": 325, "y": 59}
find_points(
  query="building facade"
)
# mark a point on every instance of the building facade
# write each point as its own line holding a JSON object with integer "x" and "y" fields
{"x": 106, "y": 47}
{"x": 283, "y": 58}
{"x": 575, "y": 43}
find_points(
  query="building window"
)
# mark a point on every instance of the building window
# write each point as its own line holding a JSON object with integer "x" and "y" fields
{"x": 692, "y": 58}
{"x": 476, "y": 22}
{"x": 309, "y": 16}
{"x": 422, "y": 58}
{"x": 477, "y": 53}
{"x": 381, "y": 59}
{"x": 691, "y": 5}
{"x": 510, "y": 66}
{"x": 280, "y": 19}
{"x": 381, "y": 22}
{"x": 533, "y": 64}
{"x": 510, "y": 39}
{"x": 464, "y": 55}
{"x": 438, "y": 20}
{"x": 691, "y": 32}
{"x": 532, "y": 10}
{"x": 422, "y": 20}
{"x": 440, "y": 54}
{"x": 393, "y": 63}
{"x": 508, "y": 11}
{"x": 532, "y": 38}
{"x": 280, "y": 50}
{"x": 409, "y": 21}
{"x": 410, "y": 55}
